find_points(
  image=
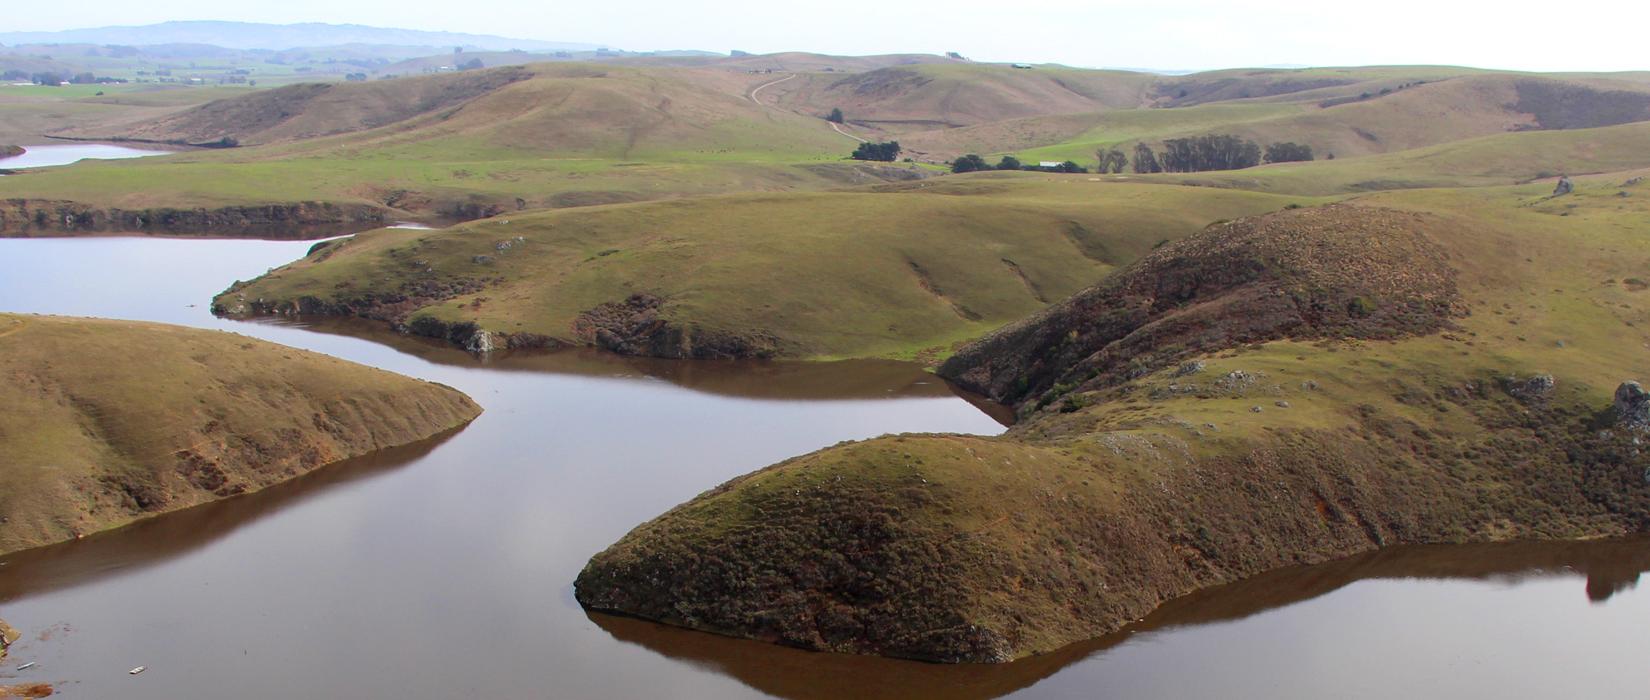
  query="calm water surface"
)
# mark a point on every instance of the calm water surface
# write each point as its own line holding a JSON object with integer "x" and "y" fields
{"x": 444, "y": 569}
{"x": 64, "y": 154}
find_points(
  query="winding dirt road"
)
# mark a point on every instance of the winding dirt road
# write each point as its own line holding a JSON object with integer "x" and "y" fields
{"x": 752, "y": 94}
{"x": 752, "y": 97}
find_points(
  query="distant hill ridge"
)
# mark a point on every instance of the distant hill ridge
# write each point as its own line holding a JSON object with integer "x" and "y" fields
{"x": 255, "y": 35}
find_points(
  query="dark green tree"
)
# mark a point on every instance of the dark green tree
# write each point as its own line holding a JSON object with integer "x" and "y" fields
{"x": 1145, "y": 160}
{"x": 885, "y": 152}
{"x": 1209, "y": 152}
{"x": 836, "y": 115}
{"x": 969, "y": 163}
{"x": 1009, "y": 163}
{"x": 1111, "y": 161}
{"x": 1288, "y": 152}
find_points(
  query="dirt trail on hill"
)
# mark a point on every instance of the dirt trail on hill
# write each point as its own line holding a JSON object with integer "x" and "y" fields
{"x": 752, "y": 94}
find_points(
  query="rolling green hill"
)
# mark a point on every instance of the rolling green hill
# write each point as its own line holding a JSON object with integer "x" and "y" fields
{"x": 471, "y": 144}
{"x": 1423, "y": 366}
{"x": 898, "y": 272}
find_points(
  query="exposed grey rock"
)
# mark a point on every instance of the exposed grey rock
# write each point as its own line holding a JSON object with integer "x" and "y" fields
{"x": 1564, "y": 186}
{"x": 1632, "y": 406}
{"x": 1633, "y": 181}
{"x": 1309, "y": 385}
{"x": 1192, "y": 367}
{"x": 479, "y": 342}
{"x": 1283, "y": 404}
{"x": 482, "y": 259}
{"x": 1536, "y": 388}
{"x": 1255, "y": 409}
{"x": 1238, "y": 379}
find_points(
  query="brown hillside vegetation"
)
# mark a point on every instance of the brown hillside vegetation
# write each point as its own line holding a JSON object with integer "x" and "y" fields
{"x": 1425, "y": 113}
{"x": 562, "y": 109}
{"x": 912, "y": 98}
{"x": 1334, "y": 271}
{"x": 1371, "y": 428}
{"x": 110, "y": 421}
{"x": 308, "y": 110}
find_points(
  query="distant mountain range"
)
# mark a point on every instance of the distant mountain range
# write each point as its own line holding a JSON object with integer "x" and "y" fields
{"x": 253, "y": 35}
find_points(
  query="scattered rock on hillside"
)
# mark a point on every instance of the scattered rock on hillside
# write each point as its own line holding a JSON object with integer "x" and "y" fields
{"x": 1632, "y": 406}
{"x": 1564, "y": 186}
{"x": 1536, "y": 388}
{"x": 1633, "y": 181}
{"x": 1189, "y": 368}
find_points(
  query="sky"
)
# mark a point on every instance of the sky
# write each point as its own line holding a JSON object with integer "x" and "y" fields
{"x": 1601, "y": 35}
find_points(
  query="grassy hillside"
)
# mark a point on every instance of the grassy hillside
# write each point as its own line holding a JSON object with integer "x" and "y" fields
{"x": 465, "y": 145}
{"x": 1406, "y": 111}
{"x": 28, "y": 114}
{"x": 1186, "y": 425}
{"x": 1486, "y": 161}
{"x": 899, "y": 272}
{"x": 110, "y": 421}
{"x": 460, "y": 146}
{"x": 918, "y": 97}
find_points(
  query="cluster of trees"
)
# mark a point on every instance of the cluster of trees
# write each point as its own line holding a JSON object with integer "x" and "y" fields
{"x": 1111, "y": 161}
{"x": 1214, "y": 152}
{"x": 885, "y": 152}
{"x": 1198, "y": 154}
{"x": 1288, "y": 152}
{"x": 1187, "y": 155}
{"x": 1145, "y": 161}
{"x": 471, "y": 64}
{"x": 49, "y": 78}
{"x": 973, "y": 163}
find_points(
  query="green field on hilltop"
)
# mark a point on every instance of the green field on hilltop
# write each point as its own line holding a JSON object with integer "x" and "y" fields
{"x": 852, "y": 274}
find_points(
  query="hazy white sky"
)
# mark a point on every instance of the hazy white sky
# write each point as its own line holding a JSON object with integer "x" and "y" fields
{"x": 1546, "y": 35}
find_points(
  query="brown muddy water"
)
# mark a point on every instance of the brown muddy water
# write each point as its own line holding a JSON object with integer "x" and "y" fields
{"x": 444, "y": 569}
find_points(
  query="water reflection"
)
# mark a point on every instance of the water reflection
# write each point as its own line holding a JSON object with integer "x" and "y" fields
{"x": 1608, "y": 567}
{"x": 154, "y": 540}
{"x": 753, "y": 379}
{"x": 65, "y": 154}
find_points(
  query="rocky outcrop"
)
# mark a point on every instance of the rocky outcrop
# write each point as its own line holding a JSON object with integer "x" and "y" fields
{"x": 8, "y": 635}
{"x": 35, "y": 217}
{"x": 7, "y": 151}
{"x": 1537, "y": 388}
{"x": 1564, "y": 186}
{"x": 1335, "y": 271}
{"x": 1632, "y": 406}
{"x": 638, "y": 326}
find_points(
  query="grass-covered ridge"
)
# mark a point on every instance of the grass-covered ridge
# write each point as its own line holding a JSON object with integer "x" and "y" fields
{"x": 907, "y": 271}
{"x": 467, "y": 145}
{"x": 1127, "y": 484}
{"x": 110, "y": 421}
